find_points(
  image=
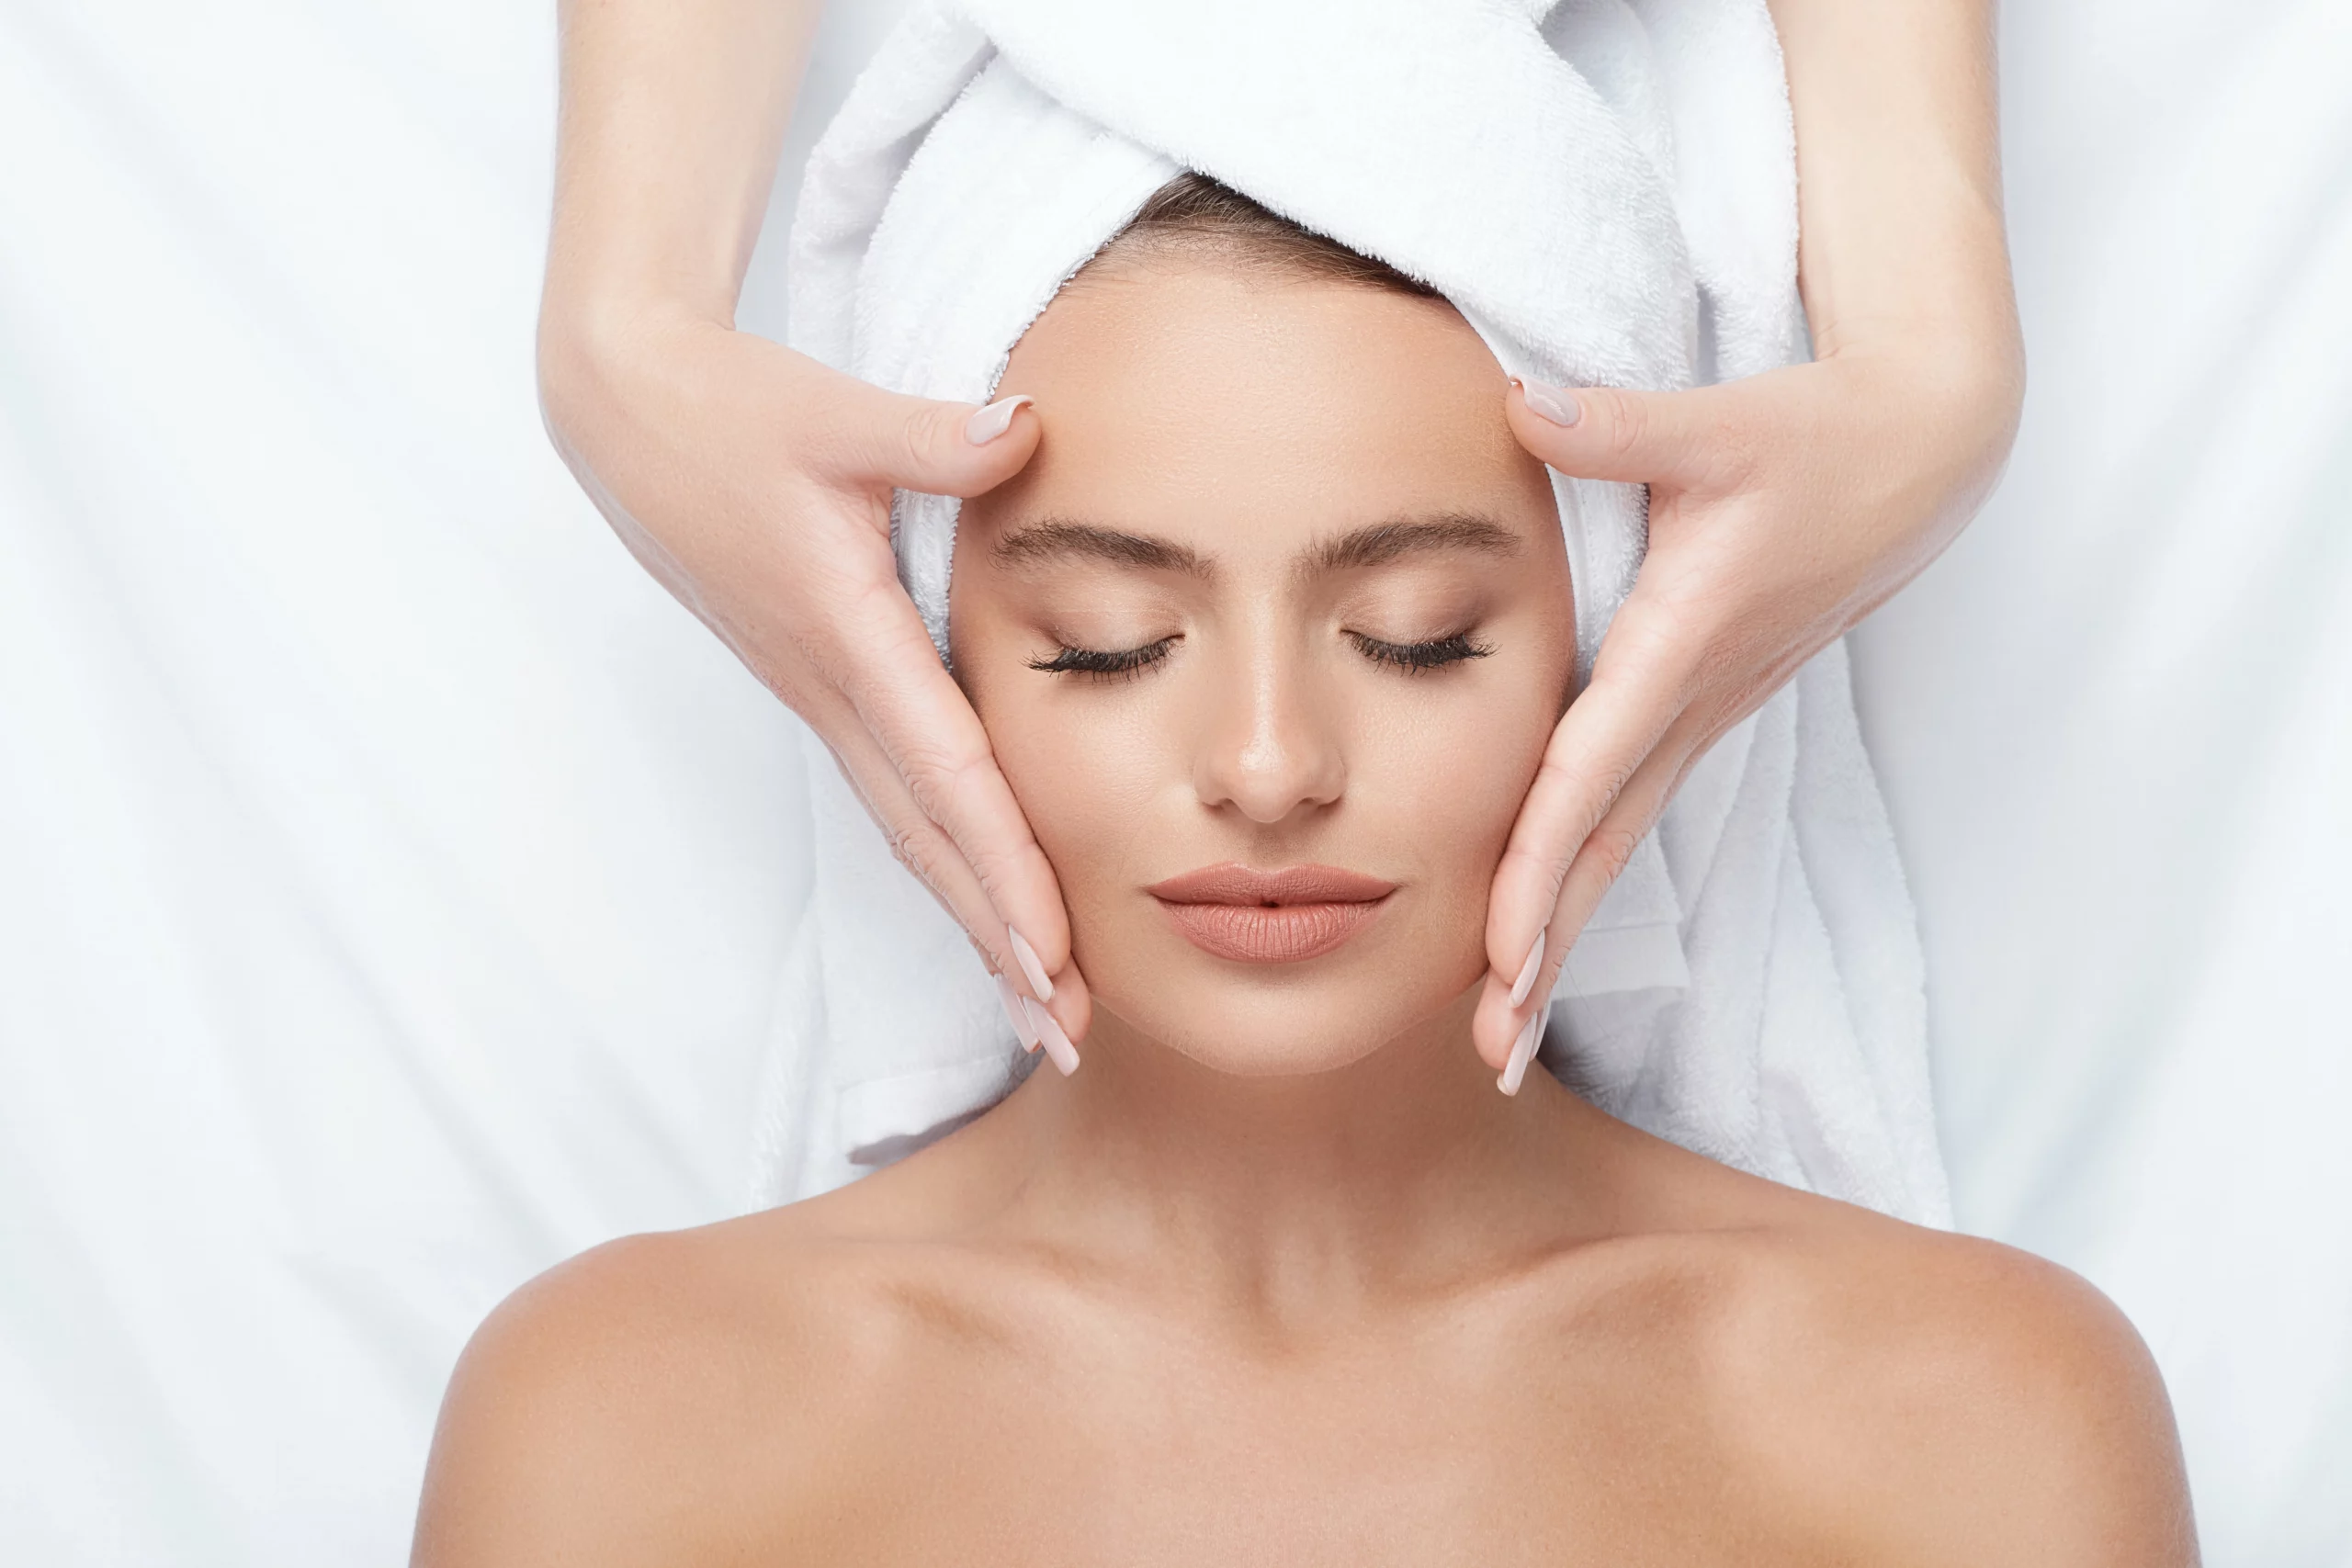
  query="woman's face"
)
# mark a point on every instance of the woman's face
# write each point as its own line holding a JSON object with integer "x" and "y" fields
{"x": 1269, "y": 638}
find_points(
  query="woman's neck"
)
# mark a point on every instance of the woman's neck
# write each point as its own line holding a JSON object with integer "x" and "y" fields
{"x": 1297, "y": 1197}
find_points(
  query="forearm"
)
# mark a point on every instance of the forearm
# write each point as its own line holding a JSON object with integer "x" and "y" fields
{"x": 671, "y": 113}
{"x": 1899, "y": 177}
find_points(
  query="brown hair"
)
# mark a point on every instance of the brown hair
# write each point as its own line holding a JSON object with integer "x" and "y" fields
{"x": 1192, "y": 214}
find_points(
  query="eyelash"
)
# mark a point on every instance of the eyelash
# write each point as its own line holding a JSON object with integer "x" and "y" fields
{"x": 1419, "y": 657}
{"x": 1127, "y": 663}
{"x": 1101, "y": 664}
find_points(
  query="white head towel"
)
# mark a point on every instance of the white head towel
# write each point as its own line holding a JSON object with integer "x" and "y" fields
{"x": 1606, "y": 189}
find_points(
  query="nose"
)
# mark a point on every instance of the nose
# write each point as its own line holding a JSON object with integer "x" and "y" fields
{"x": 1270, "y": 748}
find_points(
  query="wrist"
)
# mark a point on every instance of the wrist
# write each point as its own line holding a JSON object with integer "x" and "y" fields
{"x": 597, "y": 346}
{"x": 1966, "y": 372}
{"x": 1929, "y": 413}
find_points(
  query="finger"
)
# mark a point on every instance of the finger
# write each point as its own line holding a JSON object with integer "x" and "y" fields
{"x": 922, "y": 720}
{"x": 942, "y": 449}
{"x": 1494, "y": 1025}
{"x": 1610, "y": 847}
{"x": 926, "y": 849}
{"x": 1639, "y": 689}
{"x": 919, "y": 843}
{"x": 1595, "y": 867}
{"x": 1680, "y": 439}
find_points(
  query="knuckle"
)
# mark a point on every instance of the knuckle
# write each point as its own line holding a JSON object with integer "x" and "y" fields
{"x": 1537, "y": 866}
{"x": 1597, "y": 785}
{"x": 911, "y": 444}
{"x": 925, "y": 437}
{"x": 1612, "y": 847}
{"x": 919, "y": 847}
{"x": 1625, "y": 423}
{"x": 942, "y": 777}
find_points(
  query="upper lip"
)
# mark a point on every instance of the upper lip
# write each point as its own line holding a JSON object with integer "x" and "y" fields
{"x": 1232, "y": 884}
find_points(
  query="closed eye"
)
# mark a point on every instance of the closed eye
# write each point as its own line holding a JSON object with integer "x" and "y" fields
{"x": 1105, "y": 664}
{"x": 1417, "y": 658}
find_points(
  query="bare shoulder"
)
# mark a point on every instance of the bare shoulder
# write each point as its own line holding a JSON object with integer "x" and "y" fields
{"x": 1931, "y": 1398}
{"x": 637, "y": 1404}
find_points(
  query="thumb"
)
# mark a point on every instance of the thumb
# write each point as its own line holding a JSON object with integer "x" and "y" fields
{"x": 1612, "y": 432}
{"x": 940, "y": 448}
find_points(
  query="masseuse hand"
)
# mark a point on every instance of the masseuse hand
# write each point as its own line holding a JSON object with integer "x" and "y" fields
{"x": 1782, "y": 508}
{"x": 1785, "y": 507}
{"x": 756, "y": 483}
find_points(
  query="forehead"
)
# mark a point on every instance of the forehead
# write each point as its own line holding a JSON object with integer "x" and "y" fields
{"x": 1247, "y": 413}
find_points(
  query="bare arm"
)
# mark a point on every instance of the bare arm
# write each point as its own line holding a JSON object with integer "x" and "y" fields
{"x": 1898, "y": 157}
{"x": 670, "y": 117}
{"x": 753, "y": 482}
{"x": 1785, "y": 507}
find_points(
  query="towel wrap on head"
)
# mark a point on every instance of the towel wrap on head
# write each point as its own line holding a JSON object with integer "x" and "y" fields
{"x": 1606, "y": 190}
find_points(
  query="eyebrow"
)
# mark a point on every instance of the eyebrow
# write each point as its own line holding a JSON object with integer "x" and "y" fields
{"x": 1059, "y": 536}
{"x": 1384, "y": 542}
{"x": 1378, "y": 544}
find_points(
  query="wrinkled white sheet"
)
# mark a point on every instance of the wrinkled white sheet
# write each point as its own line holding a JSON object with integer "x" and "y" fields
{"x": 2115, "y": 729}
{"x": 392, "y": 878}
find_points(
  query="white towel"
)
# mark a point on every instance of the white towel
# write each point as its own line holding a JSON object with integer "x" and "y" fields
{"x": 1606, "y": 190}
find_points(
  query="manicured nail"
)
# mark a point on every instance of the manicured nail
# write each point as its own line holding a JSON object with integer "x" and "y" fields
{"x": 1554, "y": 403}
{"x": 1522, "y": 1051}
{"x": 1039, "y": 981}
{"x": 1016, "y": 1014}
{"x": 1049, "y": 1029}
{"x": 993, "y": 421}
{"x": 1528, "y": 970}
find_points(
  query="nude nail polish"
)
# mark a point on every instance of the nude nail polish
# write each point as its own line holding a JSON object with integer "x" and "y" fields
{"x": 1049, "y": 1029}
{"x": 1016, "y": 1013}
{"x": 1041, "y": 983}
{"x": 1554, "y": 403}
{"x": 994, "y": 420}
{"x": 1522, "y": 1051}
{"x": 1528, "y": 970}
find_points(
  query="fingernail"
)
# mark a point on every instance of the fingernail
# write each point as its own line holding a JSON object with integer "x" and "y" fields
{"x": 1016, "y": 1014}
{"x": 1039, "y": 981}
{"x": 994, "y": 420}
{"x": 1528, "y": 970}
{"x": 1522, "y": 1051}
{"x": 1554, "y": 403}
{"x": 1049, "y": 1029}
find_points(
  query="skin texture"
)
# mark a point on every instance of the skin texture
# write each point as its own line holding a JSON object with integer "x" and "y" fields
{"x": 1277, "y": 1277}
{"x": 755, "y": 483}
{"x": 1786, "y": 507}
{"x": 1265, "y": 734}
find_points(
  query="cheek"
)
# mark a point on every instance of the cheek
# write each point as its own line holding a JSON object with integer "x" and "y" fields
{"x": 1091, "y": 765}
{"x": 1086, "y": 772}
{"x": 1450, "y": 775}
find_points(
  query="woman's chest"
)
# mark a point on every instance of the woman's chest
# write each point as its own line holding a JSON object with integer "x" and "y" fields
{"x": 1182, "y": 1458}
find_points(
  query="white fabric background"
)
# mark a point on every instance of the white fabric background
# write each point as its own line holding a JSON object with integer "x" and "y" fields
{"x": 392, "y": 878}
{"x": 2115, "y": 729}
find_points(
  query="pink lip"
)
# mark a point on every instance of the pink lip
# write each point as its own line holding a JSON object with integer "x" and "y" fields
{"x": 1270, "y": 916}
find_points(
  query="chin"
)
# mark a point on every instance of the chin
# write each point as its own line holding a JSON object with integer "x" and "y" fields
{"x": 1252, "y": 1049}
{"x": 1299, "y": 1025}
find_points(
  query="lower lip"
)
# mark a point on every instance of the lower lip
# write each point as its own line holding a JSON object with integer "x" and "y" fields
{"x": 1261, "y": 933}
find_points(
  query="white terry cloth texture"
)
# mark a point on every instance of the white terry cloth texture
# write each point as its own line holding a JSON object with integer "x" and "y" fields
{"x": 1606, "y": 191}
